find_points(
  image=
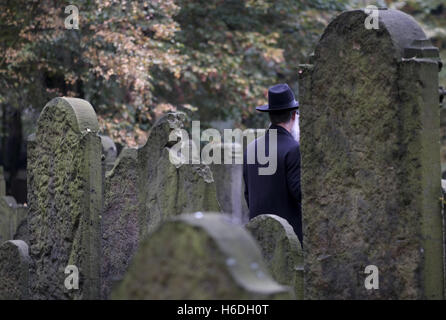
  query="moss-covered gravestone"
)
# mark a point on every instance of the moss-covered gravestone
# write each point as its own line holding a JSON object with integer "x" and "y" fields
{"x": 120, "y": 228}
{"x": 167, "y": 189}
{"x": 199, "y": 256}
{"x": 281, "y": 250}
{"x": 370, "y": 161}
{"x": 14, "y": 265}
{"x": 65, "y": 200}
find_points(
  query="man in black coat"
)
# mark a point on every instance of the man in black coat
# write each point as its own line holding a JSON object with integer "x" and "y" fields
{"x": 276, "y": 191}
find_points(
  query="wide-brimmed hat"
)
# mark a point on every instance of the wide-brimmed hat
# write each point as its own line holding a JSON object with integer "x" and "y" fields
{"x": 280, "y": 97}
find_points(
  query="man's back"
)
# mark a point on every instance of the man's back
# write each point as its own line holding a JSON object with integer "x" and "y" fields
{"x": 280, "y": 192}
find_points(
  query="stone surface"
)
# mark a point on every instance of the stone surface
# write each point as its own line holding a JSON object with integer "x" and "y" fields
{"x": 14, "y": 264}
{"x": 13, "y": 219}
{"x": 19, "y": 224}
{"x": 65, "y": 199}
{"x": 229, "y": 182}
{"x": 370, "y": 161}
{"x": 109, "y": 152}
{"x": 165, "y": 189}
{"x": 281, "y": 250}
{"x": 120, "y": 228}
{"x": 8, "y": 207}
{"x": 203, "y": 256}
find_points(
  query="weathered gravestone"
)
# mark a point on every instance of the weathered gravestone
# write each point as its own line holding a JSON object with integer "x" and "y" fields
{"x": 120, "y": 227}
{"x": 167, "y": 189}
{"x": 143, "y": 189}
{"x": 199, "y": 256}
{"x": 7, "y": 211}
{"x": 65, "y": 199}
{"x": 12, "y": 219}
{"x": 281, "y": 250}
{"x": 228, "y": 177}
{"x": 370, "y": 161}
{"x": 12, "y": 215}
{"x": 19, "y": 223}
{"x": 14, "y": 264}
{"x": 109, "y": 152}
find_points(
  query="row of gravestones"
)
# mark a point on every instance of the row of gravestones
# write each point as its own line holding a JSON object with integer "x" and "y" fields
{"x": 370, "y": 182}
{"x": 88, "y": 211}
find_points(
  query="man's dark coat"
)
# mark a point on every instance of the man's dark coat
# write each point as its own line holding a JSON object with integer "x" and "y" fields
{"x": 279, "y": 193}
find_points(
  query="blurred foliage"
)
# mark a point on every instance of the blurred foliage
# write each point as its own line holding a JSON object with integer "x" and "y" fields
{"x": 134, "y": 60}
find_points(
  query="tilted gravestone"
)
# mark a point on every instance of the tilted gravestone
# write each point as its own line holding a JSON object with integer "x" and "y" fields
{"x": 167, "y": 189}
{"x": 120, "y": 227}
{"x": 370, "y": 161}
{"x": 281, "y": 250}
{"x": 14, "y": 264}
{"x": 199, "y": 256}
{"x": 65, "y": 200}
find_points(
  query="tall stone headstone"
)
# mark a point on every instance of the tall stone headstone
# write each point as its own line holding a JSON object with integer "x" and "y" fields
{"x": 228, "y": 179}
{"x": 65, "y": 200}
{"x": 14, "y": 265}
{"x": 167, "y": 189}
{"x": 281, "y": 250}
{"x": 109, "y": 152}
{"x": 370, "y": 161}
{"x": 120, "y": 225}
{"x": 199, "y": 256}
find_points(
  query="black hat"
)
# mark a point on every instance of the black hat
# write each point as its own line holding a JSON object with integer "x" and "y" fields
{"x": 280, "y": 97}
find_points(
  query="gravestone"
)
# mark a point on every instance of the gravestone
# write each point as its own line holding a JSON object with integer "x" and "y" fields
{"x": 14, "y": 264}
{"x": 12, "y": 219}
{"x": 166, "y": 189}
{"x": 202, "y": 256}
{"x": 370, "y": 161}
{"x": 120, "y": 228}
{"x": 65, "y": 199}
{"x": 228, "y": 179}
{"x": 281, "y": 250}
{"x": 109, "y": 152}
{"x": 8, "y": 207}
{"x": 19, "y": 223}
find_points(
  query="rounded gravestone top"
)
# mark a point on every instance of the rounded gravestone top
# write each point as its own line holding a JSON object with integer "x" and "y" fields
{"x": 401, "y": 27}
{"x": 203, "y": 256}
{"x": 109, "y": 150}
{"x": 81, "y": 114}
{"x": 20, "y": 246}
{"x": 270, "y": 228}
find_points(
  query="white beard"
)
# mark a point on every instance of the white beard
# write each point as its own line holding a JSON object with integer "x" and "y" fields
{"x": 295, "y": 130}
